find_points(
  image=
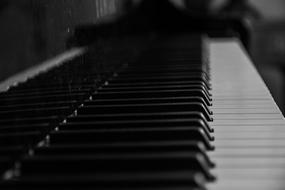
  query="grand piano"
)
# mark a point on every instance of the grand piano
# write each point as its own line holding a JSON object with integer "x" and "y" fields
{"x": 158, "y": 99}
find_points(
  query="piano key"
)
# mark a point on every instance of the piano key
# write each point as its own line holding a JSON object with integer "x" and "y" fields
{"x": 248, "y": 122}
{"x": 222, "y": 102}
{"x": 101, "y": 101}
{"x": 153, "y": 94}
{"x": 243, "y": 116}
{"x": 27, "y": 138}
{"x": 249, "y": 183}
{"x": 249, "y": 142}
{"x": 40, "y": 127}
{"x": 162, "y": 146}
{"x": 138, "y": 135}
{"x": 141, "y": 116}
{"x": 246, "y": 110}
{"x": 11, "y": 150}
{"x": 22, "y": 106}
{"x": 249, "y": 154}
{"x": 44, "y": 93}
{"x": 29, "y": 120}
{"x": 144, "y": 108}
{"x": 50, "y": 88}
{"x": 116, "y": 163}
{"x": 251, "y": 128}
{"x": 151, "y": 71}
{"x": 253, "y": 135}
{"x": 193, "y": 80}
{"x": 38, "y": 112}
{"x": 276, "y": 174}
{"x": 144, "y": 88}
{"x": 156, "y": 83}
{"x": 47, "y": 98}
{"x": 135, "y": 128}
{"x": 108, "y": 181}
{"x": 124, "y": 148}
{"x": 244, "y": 106}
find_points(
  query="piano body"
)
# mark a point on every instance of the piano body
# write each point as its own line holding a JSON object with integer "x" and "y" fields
{"x": 144, "y": 104}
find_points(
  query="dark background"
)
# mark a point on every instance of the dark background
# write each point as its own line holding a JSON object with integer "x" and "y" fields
{"x": 35, "y": 30}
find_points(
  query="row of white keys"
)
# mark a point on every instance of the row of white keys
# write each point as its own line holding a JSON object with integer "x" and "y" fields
{"x": 249, "y": 127}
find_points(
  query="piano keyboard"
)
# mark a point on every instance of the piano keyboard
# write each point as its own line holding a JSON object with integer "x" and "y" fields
{"x": 168, "y": 118}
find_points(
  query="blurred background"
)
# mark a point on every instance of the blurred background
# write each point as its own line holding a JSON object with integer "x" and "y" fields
{"x": 35, "y": 30}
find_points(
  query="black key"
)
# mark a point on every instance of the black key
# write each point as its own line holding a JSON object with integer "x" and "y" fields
{"x": 167, "y": 162}
{"x": 156, "y": 83}
{"x": 174, "y": 99}
{"x": 125, "y": 148}
{"x": 183, "y": 180}
{"x": 27, "y": 138}
{"x": 143, "y": 135}
{"x": 154, "y": 124}
{"x": 153, "y": 94}
{"x": 148, "y": 88}
{"x": 145, "y": 108}
{"x": 140, "y": 116}
{"x": 39, "y": 112}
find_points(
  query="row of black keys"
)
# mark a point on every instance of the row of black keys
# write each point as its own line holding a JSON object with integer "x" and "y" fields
{"x": 145, "y": 127}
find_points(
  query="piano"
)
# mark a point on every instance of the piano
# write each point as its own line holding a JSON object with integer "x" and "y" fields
{"x": 147, "y": 110}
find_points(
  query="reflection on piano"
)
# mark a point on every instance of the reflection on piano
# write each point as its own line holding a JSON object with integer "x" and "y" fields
{"x": 155, "y": 109}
